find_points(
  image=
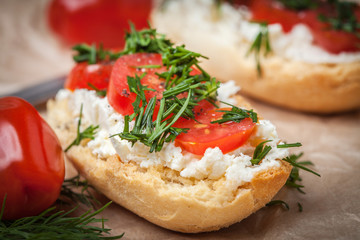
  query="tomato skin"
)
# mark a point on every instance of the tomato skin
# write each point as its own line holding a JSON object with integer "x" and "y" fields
{"x": 97, "y": 21}
{"x": 96, "y": 74}
{"x": 333, "y": 41}
{"x": 119, "y": 95}
{"x": 31, "y": 160}
{"x": 203, "y": 134}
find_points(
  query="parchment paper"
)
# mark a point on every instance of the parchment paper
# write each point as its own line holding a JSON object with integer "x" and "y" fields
{"x": 331, "y": 206}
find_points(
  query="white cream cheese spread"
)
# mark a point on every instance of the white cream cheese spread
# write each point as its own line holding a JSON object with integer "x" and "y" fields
{"x": 229, "y": 26}
{"x": 235, "y": 166}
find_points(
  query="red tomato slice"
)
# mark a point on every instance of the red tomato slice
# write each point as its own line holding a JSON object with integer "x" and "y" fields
{"x": 84, "y": 74}
{"x": 31, "y": 160}
{"x": 203, "y": 134}
{"x": 119, "y": 95}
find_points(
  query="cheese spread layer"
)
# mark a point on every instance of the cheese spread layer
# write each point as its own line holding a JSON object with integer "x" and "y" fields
{"x": 235, "y": 166}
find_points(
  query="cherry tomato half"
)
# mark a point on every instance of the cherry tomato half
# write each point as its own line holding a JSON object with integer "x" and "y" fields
{"x": 97, "y": 21}
{"x": 31, "y": 160}
{"x": 204, "y": 134}
{"x": 119, "y": 95}
{"x": 83, "y": 75}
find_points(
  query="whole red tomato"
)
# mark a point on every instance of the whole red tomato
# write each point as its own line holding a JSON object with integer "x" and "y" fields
{"x": 97, "y": 21}
{"x": 31, "y": 160}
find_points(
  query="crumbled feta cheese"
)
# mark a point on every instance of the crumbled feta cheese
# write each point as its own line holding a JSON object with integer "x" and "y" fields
{"x": 235, "y": 166}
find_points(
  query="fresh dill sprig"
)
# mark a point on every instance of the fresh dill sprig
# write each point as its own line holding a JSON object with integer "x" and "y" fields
{"x": 92, "y": 54}
{"x": 180, "y": 62}
{"x": 261, "y": 43}
{"x": 284, "y": 204}
{"x": 294, "y": 178}
{"x": 100, "y": 93}
{"x": 183, "y": 90}
{"x": 89, "y": 132}
{"x": 152, "y": 133}
{"x": 146, "y": 66}
{"x": 278, "y": 202}
{"x": 300, "y": 207}
{"x": 299, "y": 4}
{"x": 147, "y": 40}
{"x": 236, "y": 115}
{"x": 85, "y": 196}
{"x": 289, "y": 145}
{"x": 345, "y": 19}
{"x": 260, "y": 152}
{"x": 52, "y": 224}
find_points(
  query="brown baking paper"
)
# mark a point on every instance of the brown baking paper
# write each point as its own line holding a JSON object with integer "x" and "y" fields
{"x": 331, "y": 206}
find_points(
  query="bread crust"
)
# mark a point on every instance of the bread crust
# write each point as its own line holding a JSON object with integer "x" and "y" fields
{"x": 160, "y": 194}
{"x": 308, "y": 87}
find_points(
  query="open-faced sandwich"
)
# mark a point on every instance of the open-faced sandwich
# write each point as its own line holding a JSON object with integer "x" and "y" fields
{"x": 302, "y": 55}
{"x": 158, "y": 135}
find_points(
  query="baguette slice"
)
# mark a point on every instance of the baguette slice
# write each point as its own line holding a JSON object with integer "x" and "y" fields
{"x": 310, "y": 87}
{"x": 160, "y": 194}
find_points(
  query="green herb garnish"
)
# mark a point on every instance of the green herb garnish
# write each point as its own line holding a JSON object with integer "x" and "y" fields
{"x": 289, "y": 145}
{"x": 261, "y": 43}
{"x": 89, "y": 133}
{"x": 236, "y": 115}
{"x": 278, "y": 202}
{"x": 84, "y": 196}
{"x": 153, "y": 133}
{"x": 147, "y": 40}
{"x": 146, "y": 66}
{"x": 56, "y": 225}
{"x": 101, "y": 93}
{"x": 294, "y": 177}
{"x": 183, "y": 90}
{"x": 299, "y": 4}
{"x": 300, "y": 207}
{"x": 92, "y": 55}
{"x": 260, "y": 152}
